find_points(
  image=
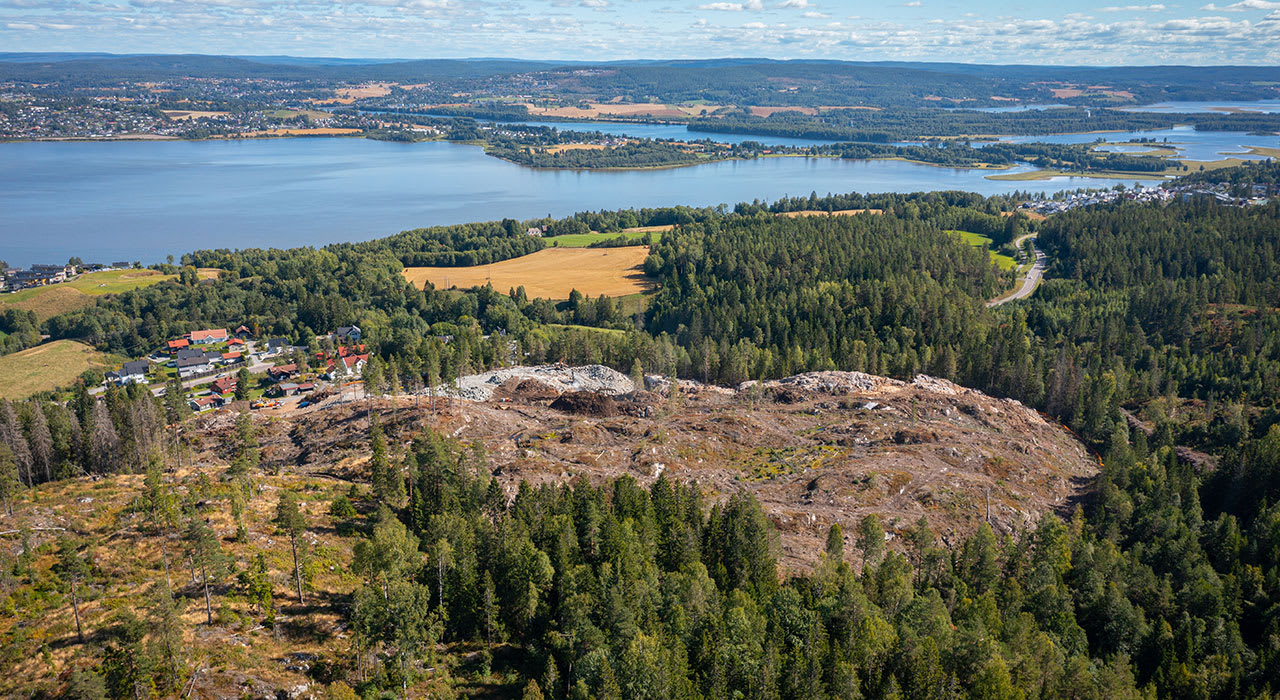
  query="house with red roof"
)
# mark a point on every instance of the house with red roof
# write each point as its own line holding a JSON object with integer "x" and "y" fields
{"x": 215, "y": 335}
{"x": 176, "y": 345}
{"x": 224, "y": 385}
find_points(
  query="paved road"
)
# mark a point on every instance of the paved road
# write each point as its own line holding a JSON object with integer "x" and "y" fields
{"x": 1031, "y": 281}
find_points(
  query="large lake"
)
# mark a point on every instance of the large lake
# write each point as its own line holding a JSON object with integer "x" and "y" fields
{"x": 143, "y": 200}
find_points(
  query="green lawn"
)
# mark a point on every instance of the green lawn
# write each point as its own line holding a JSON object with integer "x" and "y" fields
{"x": 582, "y": 240}
{"x": 107, "y": 282}
{"x": 979, "y": 241}
{"x": 570, "y": 326}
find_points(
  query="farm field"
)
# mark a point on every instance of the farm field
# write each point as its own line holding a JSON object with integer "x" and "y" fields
{"x": 551, "y": 273}
{"x": 979, "y": 241}
{"x": 46, "y": 367}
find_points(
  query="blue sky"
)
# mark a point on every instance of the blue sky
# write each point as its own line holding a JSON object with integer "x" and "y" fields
{"x": 1092, "y": 33}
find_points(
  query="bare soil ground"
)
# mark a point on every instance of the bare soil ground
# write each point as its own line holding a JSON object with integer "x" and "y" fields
{"x": 551, "y": 273}
{"x": 815, "y": 449}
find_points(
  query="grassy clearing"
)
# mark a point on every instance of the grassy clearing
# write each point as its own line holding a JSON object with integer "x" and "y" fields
{"x": 54, "y": 299}
{"x": 47, "y": 367}
{"x": 551, "y": 273}
{"x": 592, "y": 329}
{"x": 979, "y": 241}
{"x": 582, "y": 240}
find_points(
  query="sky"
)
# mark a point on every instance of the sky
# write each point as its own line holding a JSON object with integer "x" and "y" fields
{"x": 979, "y": 31}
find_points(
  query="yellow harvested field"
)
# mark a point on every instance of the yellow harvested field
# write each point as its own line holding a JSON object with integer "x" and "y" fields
{"x": 839, "y": 212}
{"x": 348, "y": 95}
{"x": 551, "y": 273}
{"x": 649, "y": 229}
{"x": 770, "y": 111}
{"x": 319, "y": 131}
{"x": 46, "y": 367}
{"x": 51, "y": 301}
{"x": 562, "y": 147}
{"x": 182, "y": 115}
{"x": 610, "y": 109}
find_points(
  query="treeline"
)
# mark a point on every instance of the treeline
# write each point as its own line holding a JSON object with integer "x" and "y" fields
{"x": 1079, "y": 157}
{"x": 646, "y": 153}
{"x": 19, "y": 330}
{"x": 120, "y": 432}
{"x": 898, "y": 124}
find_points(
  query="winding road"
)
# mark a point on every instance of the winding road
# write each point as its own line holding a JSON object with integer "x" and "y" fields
{"x": 1032, "y": 279}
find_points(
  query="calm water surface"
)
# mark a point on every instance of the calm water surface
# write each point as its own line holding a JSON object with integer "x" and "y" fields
{"x": 144, "y": 200}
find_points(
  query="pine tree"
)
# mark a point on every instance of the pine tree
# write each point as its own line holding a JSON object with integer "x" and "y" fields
{"x": 11, "y": 435}
{"x": 40, "y": 439}
{"x": 104, "y": 442}
{"x": 206, "y": 555}
{"x": 289, "y": 518}
{"x": 10, "y": 483}
{"x": 73, "y": 569}
{"x": 386, "y": 481}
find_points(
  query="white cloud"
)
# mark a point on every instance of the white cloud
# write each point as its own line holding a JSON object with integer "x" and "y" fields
{"x": 752, "y": 5}
{"x": 816, "y": 15}
{"x": 913, "y": 3}
{"x": 1134, "y": 8}
{"x": 1243, "y": 5}
{"x": 797, "y": 4}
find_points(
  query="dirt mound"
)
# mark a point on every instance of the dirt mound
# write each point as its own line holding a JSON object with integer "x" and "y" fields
{"x": 586, "y": 403}
{"x": 850, "y": 444}
{"x": 527, "y": 389}
{"x": 596, "y": 378}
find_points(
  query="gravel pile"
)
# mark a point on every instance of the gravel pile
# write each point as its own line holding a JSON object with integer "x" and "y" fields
{"x": 835, "y": 382}
{"x": 594, "y": 378}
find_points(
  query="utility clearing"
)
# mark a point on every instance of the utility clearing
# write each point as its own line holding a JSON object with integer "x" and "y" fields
{"x": 551, "y": 273}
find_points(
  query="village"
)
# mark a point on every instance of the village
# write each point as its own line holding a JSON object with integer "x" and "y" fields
{"x": 1225, "y": 194}
{"x": 216, "y": 367}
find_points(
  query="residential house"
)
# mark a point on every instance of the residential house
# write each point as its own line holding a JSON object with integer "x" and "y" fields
{"x": 291, "y": 389}
{"x": 204, "y": 403}
{"x": 233, "y": 357}
{"x": 224, "y": 385}
{"x": 188, "y": 366}
{"x": 216, "y": 335}
{"x": 280, "y": 373}
{"x": 131, "y": 373}
{"x": 348, "y": 334}
{"x": 353, "y": 365}
{"x": 275, "y": 346}
{"x": 243, "y": 333}
{"x": 235, "y": 342}
{"x": 180, "y": 343}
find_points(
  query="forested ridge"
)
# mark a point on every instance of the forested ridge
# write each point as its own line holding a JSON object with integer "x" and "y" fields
{"x": 1156, "y": 337}
{"x": 882, "y": 126}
